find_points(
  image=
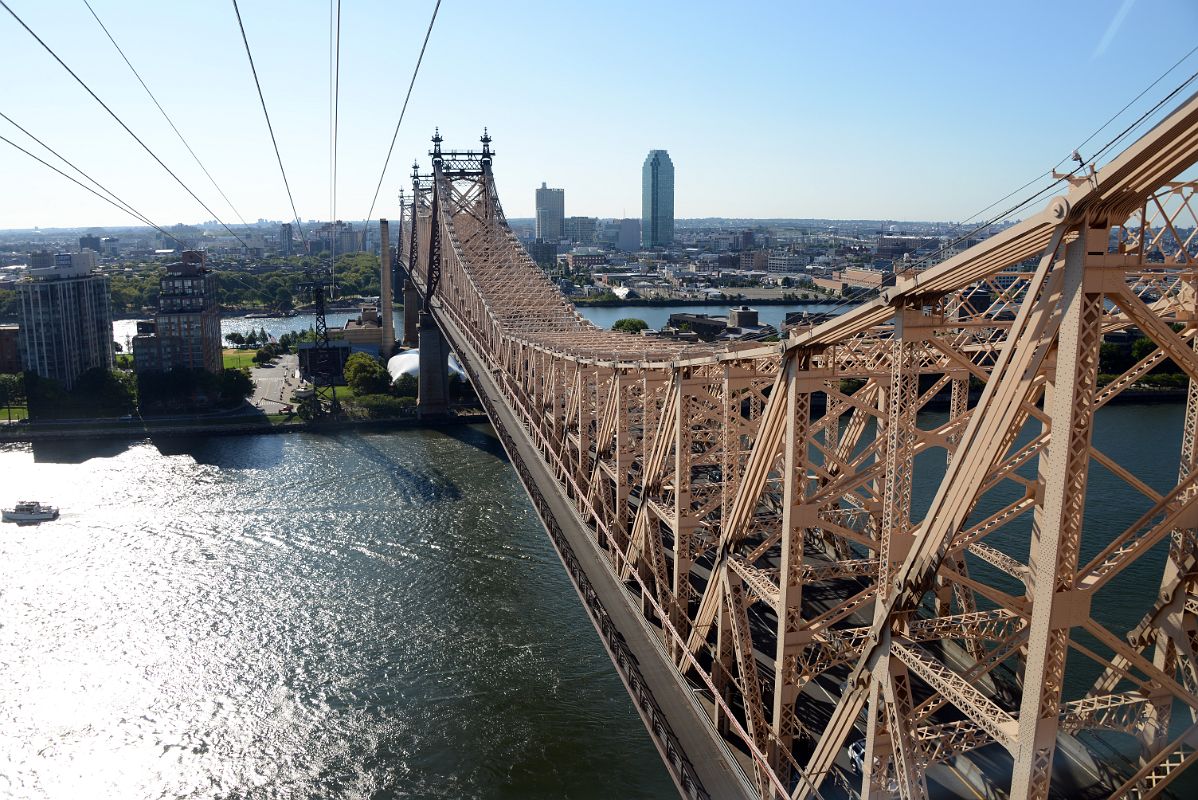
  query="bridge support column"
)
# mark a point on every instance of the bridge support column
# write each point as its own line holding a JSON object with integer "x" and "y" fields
{"x": 411, "y": 314}
{"x": 433, "y": 397}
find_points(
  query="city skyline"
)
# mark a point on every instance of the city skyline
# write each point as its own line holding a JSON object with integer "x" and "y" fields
{"x": 883, "y": 115}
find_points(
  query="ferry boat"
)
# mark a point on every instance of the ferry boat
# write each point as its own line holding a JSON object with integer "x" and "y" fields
{"x": 30, "y": 511}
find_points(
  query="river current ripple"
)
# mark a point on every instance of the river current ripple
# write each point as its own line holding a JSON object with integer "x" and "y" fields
{"x": 358, "y": 616}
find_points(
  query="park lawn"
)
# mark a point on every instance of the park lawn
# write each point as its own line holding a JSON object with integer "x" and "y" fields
{"x": 16, "y": 412}
{"x": 235, "y": 359}
{"x": 343, "y": 393}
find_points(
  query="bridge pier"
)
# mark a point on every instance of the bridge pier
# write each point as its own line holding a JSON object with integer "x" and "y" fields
{"x": 433, "y": 396}
{"x": 411, "y": 313}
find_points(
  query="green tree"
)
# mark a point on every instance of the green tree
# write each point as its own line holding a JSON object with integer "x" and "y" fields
{"x": 365, "y": 375}
{"x": 630, "y": 325}
{"x": 103, "y": 392}
{"x": 262, "y": 356}
{"x": 234, "y": 338}
{"x": 235, "y": 385}
{"x": 384, "y": 406}
{"x": 12, "y": 391}
{"x": 283, "y": 300}
{"x": 406, "y": 386}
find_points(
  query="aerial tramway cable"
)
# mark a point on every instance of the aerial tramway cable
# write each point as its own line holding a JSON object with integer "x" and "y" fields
{"x": 120, "y": 122}
{"x": 403, "y": 110}
{"x": 165, "y": 116}
{"x": 269, "y": 127}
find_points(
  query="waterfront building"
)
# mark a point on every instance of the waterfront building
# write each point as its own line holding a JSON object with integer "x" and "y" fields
{"x": 66, "y": 320}
{"x": 551, "y": 213}
{"x": 10, "y": 349}
{"x": 657, "y": 200}
{"x": 782, "y": 262}
{"x": 187, "y": 325}
{"x": 580, "y": 230}
{"x": 364, "y": 334}
{"x": 758, "y": 260}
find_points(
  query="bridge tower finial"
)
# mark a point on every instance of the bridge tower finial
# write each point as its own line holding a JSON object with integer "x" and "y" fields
{"x": 486, "y": 140}
{"x": 436, "y": 154}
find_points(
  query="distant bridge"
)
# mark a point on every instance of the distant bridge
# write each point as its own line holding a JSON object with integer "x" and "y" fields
{"x": 738, "y": 520}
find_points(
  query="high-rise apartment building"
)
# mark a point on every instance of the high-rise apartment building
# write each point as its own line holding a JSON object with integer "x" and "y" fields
{"x": 657, "y": 200}
{"x": 551, "y": 213}
{"x": 339, "y": 237}
{"x": 628, "y": 236}
{"x": 90, "y": 242}
{"x": 66, "y": 321}
{"x": 187, "y": 325}
{"x": 285, "y": 239}
{"x": 580, "y": 230}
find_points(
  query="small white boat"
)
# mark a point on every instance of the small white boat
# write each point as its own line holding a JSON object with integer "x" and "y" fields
{"x": 30, "y": 511}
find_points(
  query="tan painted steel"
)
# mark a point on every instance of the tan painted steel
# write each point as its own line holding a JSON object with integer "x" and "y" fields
{"x": 757, "y": 500}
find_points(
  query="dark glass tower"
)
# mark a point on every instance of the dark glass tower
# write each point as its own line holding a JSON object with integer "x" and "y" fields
{"x": 657, "y": 200}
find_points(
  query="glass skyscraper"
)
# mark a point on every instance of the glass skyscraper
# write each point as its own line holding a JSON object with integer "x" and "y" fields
{"x": 657, "y": 200}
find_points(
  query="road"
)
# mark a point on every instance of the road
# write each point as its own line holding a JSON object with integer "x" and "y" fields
{"x": 273, "y": 385}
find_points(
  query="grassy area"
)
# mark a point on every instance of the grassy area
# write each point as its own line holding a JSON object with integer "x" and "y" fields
{"x": 15, "y": 413}
{"x": 343, "y": 393}
{"x": 235, "y": 359}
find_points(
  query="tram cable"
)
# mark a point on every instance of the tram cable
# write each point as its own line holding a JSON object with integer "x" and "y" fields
{"x": 334, "y": 120}
{"x": 162, "y": 110}
{"x": 261, "y": 99}
{"x": 121, "y": 122}
{"x": 402, "y": 111}
{"x": 126, "y": 207}
{"x": 114, "y": 203}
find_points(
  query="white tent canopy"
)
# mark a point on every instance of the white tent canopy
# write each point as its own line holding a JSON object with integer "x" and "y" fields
{"x": 408, "y": 363}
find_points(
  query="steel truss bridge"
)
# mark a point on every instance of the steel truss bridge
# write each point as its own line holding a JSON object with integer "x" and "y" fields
{"x": 739, "y": 520}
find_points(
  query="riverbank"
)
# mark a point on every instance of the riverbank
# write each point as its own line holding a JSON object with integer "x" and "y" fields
{"x": 653, "y": 302}
{"x": 227, "y": 426}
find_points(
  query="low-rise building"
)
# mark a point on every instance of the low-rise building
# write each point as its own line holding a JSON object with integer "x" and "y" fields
{"x": 586, "y": 258}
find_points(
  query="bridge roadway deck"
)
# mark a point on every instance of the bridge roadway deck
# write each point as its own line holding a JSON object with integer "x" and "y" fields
{"x": 687, "y": 728}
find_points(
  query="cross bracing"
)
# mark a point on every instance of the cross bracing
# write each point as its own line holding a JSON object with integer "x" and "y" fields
{"x": 759, "y": 502}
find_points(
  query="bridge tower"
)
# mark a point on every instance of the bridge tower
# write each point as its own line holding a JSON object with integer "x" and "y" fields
{"x": 386, "y": 298}
{"x": 411, "y": 298}
{"x": 432, "y": 399}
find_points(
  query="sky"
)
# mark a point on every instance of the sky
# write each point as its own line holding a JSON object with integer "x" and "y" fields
{"x": 869, "y": 110}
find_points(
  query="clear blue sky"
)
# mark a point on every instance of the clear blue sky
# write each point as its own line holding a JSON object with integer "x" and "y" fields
{"x": 914, "y": 110}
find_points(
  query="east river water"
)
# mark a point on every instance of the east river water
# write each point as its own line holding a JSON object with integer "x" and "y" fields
{"x": 299, "y": 616}
{"x": 359, "y": 615}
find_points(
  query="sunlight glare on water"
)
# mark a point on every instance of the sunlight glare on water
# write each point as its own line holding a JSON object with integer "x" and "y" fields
{"x": 299, "y": 616}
